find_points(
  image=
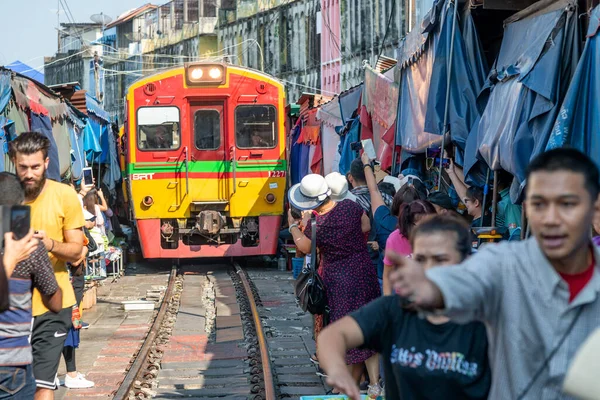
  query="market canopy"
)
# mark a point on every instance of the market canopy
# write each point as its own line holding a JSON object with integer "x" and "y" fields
{"x": 424, "y": 59}
{"x": 524, "y": 90}
{"x": 578, "y": 121}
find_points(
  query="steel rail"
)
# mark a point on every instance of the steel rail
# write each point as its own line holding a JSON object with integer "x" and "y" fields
{"x": 262, "y": 342}
{"x": 136, "y": 369}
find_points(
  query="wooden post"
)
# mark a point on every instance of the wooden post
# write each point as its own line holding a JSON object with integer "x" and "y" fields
{"x": 495, "y": 199}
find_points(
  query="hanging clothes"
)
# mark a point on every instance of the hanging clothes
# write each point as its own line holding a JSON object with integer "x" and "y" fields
{"x": 352, "y": 135}
{"x": 41, "y": 123}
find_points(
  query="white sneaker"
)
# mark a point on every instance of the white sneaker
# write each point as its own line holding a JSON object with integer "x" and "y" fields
{"x": 78, "y": 383}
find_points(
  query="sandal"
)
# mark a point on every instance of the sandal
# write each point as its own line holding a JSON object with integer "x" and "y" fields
{"x": 332, "y": 392}
{"x": 314, "y": 359}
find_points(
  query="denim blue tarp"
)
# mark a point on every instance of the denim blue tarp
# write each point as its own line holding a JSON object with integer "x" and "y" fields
{"x": 578, "y": 121}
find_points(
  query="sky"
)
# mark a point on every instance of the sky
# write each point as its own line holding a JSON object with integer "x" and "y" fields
{"x": 28, "y": 28}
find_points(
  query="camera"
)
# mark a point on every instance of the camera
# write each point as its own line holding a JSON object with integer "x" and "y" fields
{"x": 356, "y": 146}
{"x": 15, "y": 219}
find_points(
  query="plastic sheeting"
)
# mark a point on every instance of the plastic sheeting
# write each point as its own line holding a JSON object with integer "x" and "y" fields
{"x": 42, "y": 124}
{"x": 578, "y": 121}
{"x": 524, "y": 90}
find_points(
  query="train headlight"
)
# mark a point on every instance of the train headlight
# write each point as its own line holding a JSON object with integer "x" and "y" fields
{"x": 215, "y": 73}
{"x": 148, "y": 201}
{"x": 196, "y": 73}
{"x": 270, "y": 198}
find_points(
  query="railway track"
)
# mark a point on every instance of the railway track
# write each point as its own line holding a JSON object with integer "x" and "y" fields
{"x": 142, "y": 379}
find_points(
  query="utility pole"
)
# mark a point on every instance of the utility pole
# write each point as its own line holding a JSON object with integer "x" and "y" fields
{"x": 58, "y": 26}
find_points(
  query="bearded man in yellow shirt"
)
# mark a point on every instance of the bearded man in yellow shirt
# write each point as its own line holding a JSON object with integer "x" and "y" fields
{"x": 57, "y": 218}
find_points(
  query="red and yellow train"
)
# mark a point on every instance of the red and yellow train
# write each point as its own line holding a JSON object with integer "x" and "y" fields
{"x": 205, "y": 161}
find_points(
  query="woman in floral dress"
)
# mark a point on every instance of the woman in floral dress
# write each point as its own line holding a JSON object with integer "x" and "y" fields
{"x": 349, "y": 275}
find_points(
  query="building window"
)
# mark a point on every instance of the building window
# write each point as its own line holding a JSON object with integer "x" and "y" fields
{"x": 158, "y": 128}
{"x": 207, "y": 129}
{"x": 210, "y": 8}
{"x": 255, "y": 127}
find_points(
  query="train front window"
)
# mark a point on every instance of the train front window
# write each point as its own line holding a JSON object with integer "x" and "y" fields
{"x": 207, "y": 129}
{"x": 255, "y": 127}
{"x": 158, "y": 128}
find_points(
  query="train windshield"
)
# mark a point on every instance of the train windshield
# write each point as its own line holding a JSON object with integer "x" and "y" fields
{"x": 158, "y": 128}
{"x": 255, "y": 127}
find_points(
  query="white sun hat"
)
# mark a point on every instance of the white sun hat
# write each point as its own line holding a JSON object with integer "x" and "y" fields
{"x": 338, "y": 184}
{"x": 310, "y": 193}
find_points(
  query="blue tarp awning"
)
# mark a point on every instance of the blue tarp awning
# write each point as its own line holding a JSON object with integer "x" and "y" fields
{"x": 95, "y": 108}
{"x": 26, "y": 70}
{"x": 469, "y": 71}
{"x": 91, "y": 140}
{"x": 525, "y": 88}
{"x": 423, "y": 59}
{"x": 578, "y": 121}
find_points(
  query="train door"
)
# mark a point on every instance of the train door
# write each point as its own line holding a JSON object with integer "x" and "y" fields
{"x": 208, "y": 155}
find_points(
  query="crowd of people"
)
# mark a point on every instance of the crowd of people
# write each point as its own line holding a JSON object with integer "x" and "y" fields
{"x": 43, "y": 273}
{"x": 443, "y": 320}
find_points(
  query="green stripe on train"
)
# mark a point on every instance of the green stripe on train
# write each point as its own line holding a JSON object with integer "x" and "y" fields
{"x": 207, "y": 166}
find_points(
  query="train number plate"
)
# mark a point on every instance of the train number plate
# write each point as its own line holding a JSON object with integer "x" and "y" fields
{"x": 276, "y": 174}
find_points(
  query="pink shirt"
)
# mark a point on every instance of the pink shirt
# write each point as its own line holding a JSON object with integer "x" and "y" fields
{"x": 397, "y": 243}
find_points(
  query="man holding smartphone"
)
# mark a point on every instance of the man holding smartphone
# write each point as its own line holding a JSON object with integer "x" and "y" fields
{"x": 57, "y": 217}
{"x": 26, "y": 264}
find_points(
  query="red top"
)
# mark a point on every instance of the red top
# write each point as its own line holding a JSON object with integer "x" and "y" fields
{"x": 578, "y": 281}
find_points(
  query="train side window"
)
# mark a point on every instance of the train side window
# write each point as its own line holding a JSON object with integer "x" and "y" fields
{"x": 207, "y": 129}
{"x": 255, "y": 127}
{"x": 158, "y": 128}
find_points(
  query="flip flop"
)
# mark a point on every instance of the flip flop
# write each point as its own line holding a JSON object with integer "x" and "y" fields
{"x": 314, "y": 359}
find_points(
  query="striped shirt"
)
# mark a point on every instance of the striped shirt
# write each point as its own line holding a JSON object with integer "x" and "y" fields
{"x": 15, "y": 323}
{"x": 524, "y": 303}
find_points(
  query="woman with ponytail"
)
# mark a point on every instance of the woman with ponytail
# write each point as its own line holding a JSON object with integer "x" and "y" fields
{"x": 398, "y": 241}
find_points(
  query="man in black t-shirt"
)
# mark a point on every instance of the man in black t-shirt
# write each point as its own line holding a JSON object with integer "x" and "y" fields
{"x": 423, "y": 358}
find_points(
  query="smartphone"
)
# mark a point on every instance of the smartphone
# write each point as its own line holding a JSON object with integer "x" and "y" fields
{"x": 88, "y": 177}
{"x": 445, "y": 162}
{"x": 20, "y": 221}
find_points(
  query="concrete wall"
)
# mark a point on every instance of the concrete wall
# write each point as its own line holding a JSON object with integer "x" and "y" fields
{"x": 283, "y": 39}
{"x": 363, "y": 26}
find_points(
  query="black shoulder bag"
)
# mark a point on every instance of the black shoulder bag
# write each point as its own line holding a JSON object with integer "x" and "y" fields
{"x": 92, "y": 245}
{"x": 310, "y": 288}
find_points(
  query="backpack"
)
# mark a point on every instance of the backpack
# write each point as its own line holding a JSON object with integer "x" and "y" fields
{"x": 310, "y": 290}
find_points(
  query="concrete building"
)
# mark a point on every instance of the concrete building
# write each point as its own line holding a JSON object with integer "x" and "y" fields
{"x": 74, "y": 60}
{"x": 153, "y": 38}
{"x": 277, "y": 37}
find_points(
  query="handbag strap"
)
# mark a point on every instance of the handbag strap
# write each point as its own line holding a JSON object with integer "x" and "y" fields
{"x": 313, "y": 241}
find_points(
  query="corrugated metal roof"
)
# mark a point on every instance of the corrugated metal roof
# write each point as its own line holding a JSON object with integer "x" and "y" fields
{"x": 131, "y": 14}
{"x": 385, "y": 63}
